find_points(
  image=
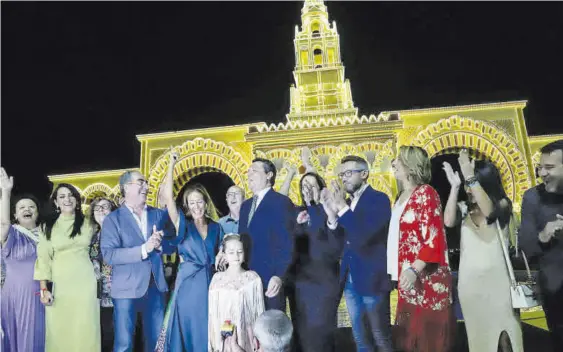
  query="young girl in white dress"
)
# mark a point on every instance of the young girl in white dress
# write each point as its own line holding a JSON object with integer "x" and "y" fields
{"x": 235, "y": 295}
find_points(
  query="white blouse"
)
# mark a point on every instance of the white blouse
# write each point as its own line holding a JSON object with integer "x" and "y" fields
{"x": 393, "y": 241}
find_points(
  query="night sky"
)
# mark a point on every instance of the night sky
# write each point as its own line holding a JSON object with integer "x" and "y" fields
{"x": 80, "y": 80}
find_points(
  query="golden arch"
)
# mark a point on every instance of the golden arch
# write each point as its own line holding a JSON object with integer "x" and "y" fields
{"x": 196, "y": 157}
{"x": 485, "y": 138}
{"x": 95, "y": 188}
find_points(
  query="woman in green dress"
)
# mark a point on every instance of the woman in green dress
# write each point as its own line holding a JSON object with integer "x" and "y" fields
{"x": 72, "y": 307}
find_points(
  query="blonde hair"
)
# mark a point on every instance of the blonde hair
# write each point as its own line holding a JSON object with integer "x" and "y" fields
{"x": 230, "y": 237}
{"x": 416, "y": 161}
{"x": 210, "y": 210}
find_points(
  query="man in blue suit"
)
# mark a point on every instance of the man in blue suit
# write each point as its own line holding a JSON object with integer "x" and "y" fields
{"x": 267, "y": 225}
{"x": 365, "y": 222}
{"x": 130, "y": 242}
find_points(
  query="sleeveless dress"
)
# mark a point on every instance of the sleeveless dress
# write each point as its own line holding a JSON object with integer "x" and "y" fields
{"x": 484, "y": 289}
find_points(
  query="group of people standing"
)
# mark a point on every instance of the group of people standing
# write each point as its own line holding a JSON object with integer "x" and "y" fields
{"x": 75, "y": 283}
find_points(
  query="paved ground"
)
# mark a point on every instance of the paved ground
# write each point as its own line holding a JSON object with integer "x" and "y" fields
{"x": 535, "y": 340}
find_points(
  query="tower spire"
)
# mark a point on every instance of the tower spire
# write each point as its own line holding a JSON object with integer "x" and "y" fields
{"x": 321, "y": 89}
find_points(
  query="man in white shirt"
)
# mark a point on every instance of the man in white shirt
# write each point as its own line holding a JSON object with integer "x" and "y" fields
{"x": 130, "y": 242}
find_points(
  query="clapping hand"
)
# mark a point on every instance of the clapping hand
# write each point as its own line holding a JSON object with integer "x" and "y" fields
{"x": 307, "y": 192}
{"x": 338, "y": 195}
{"x": 155, "y": 239}
{"x": 552, "y": 229}
{"x": 328, "y": 204}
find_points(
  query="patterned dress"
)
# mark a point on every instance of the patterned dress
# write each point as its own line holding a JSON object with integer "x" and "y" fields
{"x": 103, "y": 277}
{"x": 102, "y": 270}
{"x": 425, "y": 320}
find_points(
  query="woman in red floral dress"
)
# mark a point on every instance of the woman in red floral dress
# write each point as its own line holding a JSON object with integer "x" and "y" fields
{"x": 425, "y": 320}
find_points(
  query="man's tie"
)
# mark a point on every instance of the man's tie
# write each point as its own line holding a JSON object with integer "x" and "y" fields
{"x": 252, "y": 209}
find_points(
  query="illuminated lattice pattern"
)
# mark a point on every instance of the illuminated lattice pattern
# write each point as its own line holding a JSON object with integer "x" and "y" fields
{"x": 485, "y": 138}
{"x": 196, "y": 157}
{"x": 326, "y": 159}
{"x": 97, "y": 190}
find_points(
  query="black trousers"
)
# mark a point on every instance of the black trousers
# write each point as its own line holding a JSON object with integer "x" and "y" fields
{"x": 553, "y": 308}
{"x": 106, "y": 322}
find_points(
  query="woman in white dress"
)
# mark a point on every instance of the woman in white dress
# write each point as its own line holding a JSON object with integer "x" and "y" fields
{"x": 235, "y": 295}
{"x": 484, "y": 285}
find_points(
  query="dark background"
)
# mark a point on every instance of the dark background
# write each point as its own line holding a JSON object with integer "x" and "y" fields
{"x": 80, "y": 80}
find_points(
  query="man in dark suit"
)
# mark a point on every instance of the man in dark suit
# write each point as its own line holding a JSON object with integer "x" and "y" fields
{"x": 130, "y": 242}
{"x": 365, "y": 221}
{"x": 267, "y": 225}
{"x": 541, "y": 235}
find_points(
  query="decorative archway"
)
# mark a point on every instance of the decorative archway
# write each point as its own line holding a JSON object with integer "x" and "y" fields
{"x": 196, "y": 157}
{"x": 485, "y": 138}
{"x": 94, "y": 189}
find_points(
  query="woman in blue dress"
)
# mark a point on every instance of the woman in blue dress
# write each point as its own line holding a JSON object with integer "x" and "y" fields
{"x": 197, "y": 242}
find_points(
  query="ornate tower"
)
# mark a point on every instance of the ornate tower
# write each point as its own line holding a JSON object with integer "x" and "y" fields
{"x": 320, "y": 89}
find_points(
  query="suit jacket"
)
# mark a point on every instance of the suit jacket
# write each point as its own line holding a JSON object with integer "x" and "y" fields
{"x": 365, "y": 243}
{"x": 121, "y": 242}
{"x": 538, "y": 208}
{"x": 269, "y": 238}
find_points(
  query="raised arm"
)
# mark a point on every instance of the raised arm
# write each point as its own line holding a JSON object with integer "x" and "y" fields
{"x": 468, "y": 171}
{"x": 6, "y": 185}
{"x": 168, "y": 190}
{"x": 450, "y": 212}
{"x": 291, "y": 172}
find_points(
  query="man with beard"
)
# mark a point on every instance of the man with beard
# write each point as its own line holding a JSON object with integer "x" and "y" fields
{"x": 541, "y": 234}
{"x": 267, "y": 225}
{"x": 229, "y": 222}
{"x": 365, "y": 220}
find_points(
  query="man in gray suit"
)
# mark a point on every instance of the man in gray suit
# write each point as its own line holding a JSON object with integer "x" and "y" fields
{"x": 130, "y": 242}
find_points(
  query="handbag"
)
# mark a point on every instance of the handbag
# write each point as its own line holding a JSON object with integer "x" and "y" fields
{"x": 523, "y": 294}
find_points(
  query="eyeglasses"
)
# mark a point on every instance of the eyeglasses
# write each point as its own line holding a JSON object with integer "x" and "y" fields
{"x": 348, "y": 173}
{"x": 140, "y": 182}
{"x": 233, "y": 194}
{"x": 99, "y": 208}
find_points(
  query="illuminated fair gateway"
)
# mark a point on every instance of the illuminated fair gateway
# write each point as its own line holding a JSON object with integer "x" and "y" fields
{"x": 323, "y": 117}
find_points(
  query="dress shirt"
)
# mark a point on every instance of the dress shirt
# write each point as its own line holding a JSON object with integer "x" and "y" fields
{"x": 142, "y": 222}
{"x": 229, "y": 224}
{"x": 261, "y": 195}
